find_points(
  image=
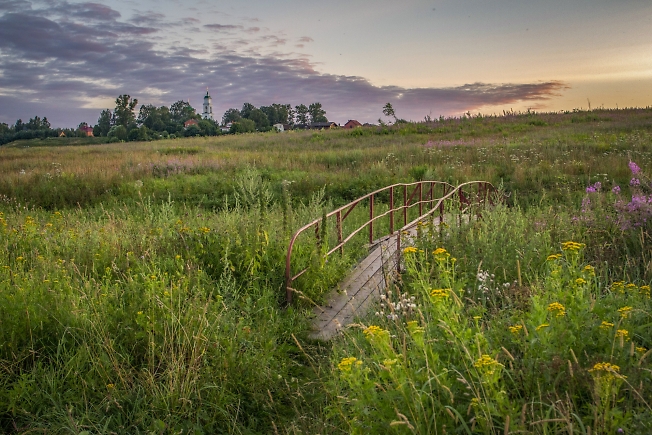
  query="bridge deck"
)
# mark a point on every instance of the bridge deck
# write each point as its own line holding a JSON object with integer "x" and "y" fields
{"x": 358, "y": 290}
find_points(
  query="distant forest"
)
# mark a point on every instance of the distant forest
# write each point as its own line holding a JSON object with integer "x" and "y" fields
{"x": 152, "y": 123}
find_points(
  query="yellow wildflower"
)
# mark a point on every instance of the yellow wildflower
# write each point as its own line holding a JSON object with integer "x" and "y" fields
{"x": 410, "y": 250}
{"x": 573, "y": 247}
{"x": 19, "y": 258}
{"x": 644, "y": 290}
{"x": 607, "y": 370}
{"x": 388, "y": 363}
{"x": 140, "y": 313}
{"x": 553, "y": 257}
{"x": 441, "y": 254}
{"x": 346, "y": 363}
{"x": 557, "y": 308}
{"x": 515, "y": 329}
{"x": 606, "y": 325}
{"x": 622, "y": 333}
{"x": 631, "y": 286}
{"x": 625, "y": 311}
{"x": 375, "y": 331}
{"x": 641, "y": 349}
{"x": 439, "y": 294}
{"x": 487, "y": 364}
{"x": 110, "y": 386}
{"x": 580, "y": 281}
{"x": 541, "y": 326}
{"x": 618, "y": 286}
{"x": 589, "y": 269}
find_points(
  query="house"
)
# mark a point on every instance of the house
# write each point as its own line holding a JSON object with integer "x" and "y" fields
{"x": 279, "y": 127}
{"x": 323, "y": 125}
{"x": 87, "y": 130}
{"x": 352, "y": 123}
{"x": 226, "y": 128}
{"x": 190, "y": 122}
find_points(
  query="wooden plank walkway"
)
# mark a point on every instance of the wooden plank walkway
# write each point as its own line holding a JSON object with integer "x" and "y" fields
{"x": 362, "y": 286}
{"x": 358, "y": 290}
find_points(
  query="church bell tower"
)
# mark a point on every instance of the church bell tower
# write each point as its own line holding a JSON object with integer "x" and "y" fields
{"x": 208, "y": 107}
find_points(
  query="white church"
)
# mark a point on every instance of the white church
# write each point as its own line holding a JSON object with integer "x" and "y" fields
{"x": 208, "y": 107}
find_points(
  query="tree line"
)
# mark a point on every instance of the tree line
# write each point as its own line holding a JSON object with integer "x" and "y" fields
{"x": 164, "y": 122}
{"x": 151, "y": 123}
{"x": 35, "y": 128}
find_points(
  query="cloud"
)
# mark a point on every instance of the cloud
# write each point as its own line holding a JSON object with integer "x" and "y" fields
{"x": 53, "y": 65}
{"x": 223, "y": 27}
{"x": 306, "y": 39}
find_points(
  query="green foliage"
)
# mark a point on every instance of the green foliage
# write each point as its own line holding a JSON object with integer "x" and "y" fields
{"x": 124, "y": 110}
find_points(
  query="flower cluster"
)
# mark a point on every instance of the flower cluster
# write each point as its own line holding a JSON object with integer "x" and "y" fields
{"x": 347, "y": 363}
{"x": 374, "y": 331}
{"x": 557, "y": 308}
{"x": 572, "y": 247}
{"x": 553, "y": 257}
{"x": 515, "y": 329}
{"x": 608, "y": 370}
{"x": 625, "y": 312}
{"x": 594, "y": 188}
{"x": 410, "y": 250}
{"x": 606, "y": 325}
{"x": 404, "y": 306}
{"x": 439, "y": 294}
{"x": 441, "y": 254}
{"x": 487, "y": 364}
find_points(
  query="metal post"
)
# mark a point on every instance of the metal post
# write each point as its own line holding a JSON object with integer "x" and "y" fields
{"x": 371, "y": 219}
{"x": 398, "y": 251}
{"x": 420, "y": 198}
{"x": 441, "y": 208}
{"x": 405, "y": 203}
{"x": 391, "y": 210}
{"x": 339, "y": 231}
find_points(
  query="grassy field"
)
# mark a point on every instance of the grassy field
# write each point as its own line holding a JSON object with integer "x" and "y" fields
{"x": 141, "y": 284}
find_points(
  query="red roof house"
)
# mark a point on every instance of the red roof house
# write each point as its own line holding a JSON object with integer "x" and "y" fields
{"x": 88, "y": 130}
{"x": 190, "y": 122}
{"x": 352, "y": 123}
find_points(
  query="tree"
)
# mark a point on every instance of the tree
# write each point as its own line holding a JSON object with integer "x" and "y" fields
{"x": 118, "y": 131}
{"x": 231, "y": 115}
{"x": 18, "y": 126}
{"x": 317, "y": 114}
{"x": 388, "y": 110}
{"x": 279, "y": 113}
{"x": 271, "y": 112}
{"x": 192, "y": 130}
{"x": 243, "y": 126}
{"x": 261, "y": 120}
{"x": 124, "y": 110}
{"x": 104, "y": 123}
{"x": 181, "y": 111}
{"x": 246, "y": 110}
{"x": 301, "y": 114}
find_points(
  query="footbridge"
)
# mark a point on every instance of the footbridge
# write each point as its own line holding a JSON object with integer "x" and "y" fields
{"x": 390, "y": 226}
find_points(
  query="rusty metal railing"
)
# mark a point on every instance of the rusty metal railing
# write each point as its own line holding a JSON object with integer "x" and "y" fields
{"x": 449, "y": 192}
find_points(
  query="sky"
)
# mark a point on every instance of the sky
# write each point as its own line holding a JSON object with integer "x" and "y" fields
{"x": 69, "y": 60}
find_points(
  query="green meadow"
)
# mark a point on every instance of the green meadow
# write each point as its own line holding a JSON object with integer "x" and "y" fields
{"x": 142, "y": 283}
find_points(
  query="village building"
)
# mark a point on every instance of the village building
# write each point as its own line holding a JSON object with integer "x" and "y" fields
{"x": 279, "y": 127}
{"x": 352, "y": 123}
{"x": 190, "y": 122}
{"x": 208, "y": 107}
{"x": 87, "y": 130}
{"x": 323, "y": 125}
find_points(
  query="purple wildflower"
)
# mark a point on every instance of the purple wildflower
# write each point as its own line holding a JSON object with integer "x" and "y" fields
{"x": 594, "y": 188}
{"x": 634, "y": 182}
{"x": 634, "y": 168}
{"x": 616, "y": 190}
